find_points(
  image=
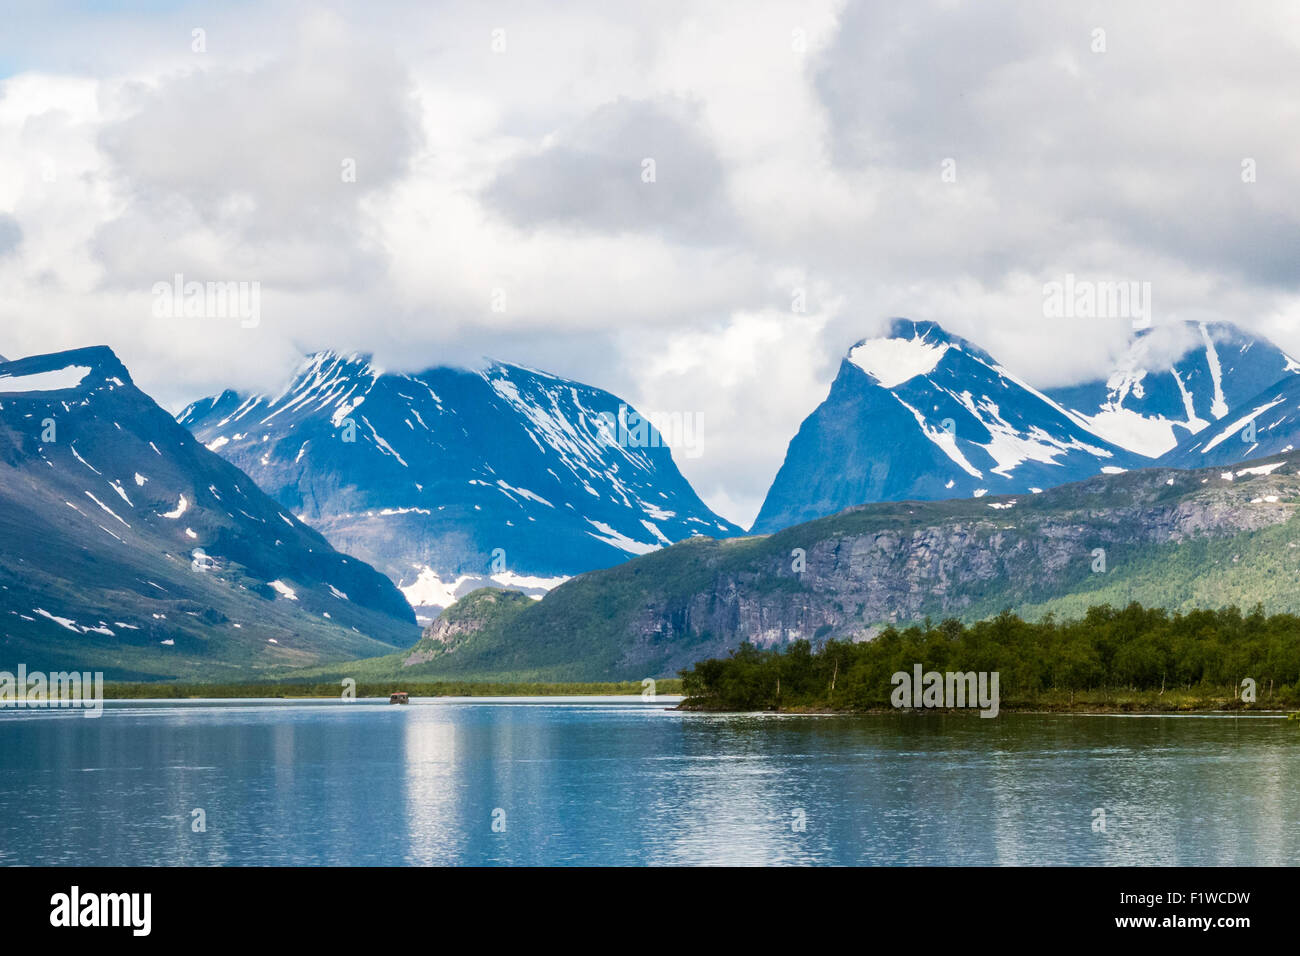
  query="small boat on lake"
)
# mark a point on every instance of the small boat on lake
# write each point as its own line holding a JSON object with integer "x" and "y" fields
{"x": 400, "y": 697}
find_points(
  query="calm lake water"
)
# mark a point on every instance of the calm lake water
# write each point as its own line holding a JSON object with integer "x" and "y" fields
{"x": 619, "y": 781}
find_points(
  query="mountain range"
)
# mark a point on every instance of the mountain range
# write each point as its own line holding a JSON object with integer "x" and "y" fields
{"x": 924, "y": 415}
{"x": 451, "y": 478}
{"x": 255, "y": 534}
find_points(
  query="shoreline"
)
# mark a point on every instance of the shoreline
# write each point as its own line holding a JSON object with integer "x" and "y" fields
{"x": 1096, "y": 703}
{"x": 379, "y": 690}
{"x": 1093, "y": 704}
{"x": 1280, "y": 713}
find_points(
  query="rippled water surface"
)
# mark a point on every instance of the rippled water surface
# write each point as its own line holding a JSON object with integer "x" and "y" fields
{"x": 621, "y": 781}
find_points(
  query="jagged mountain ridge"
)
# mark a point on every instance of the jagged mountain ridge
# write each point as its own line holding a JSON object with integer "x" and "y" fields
{"x": 458, "y": 477}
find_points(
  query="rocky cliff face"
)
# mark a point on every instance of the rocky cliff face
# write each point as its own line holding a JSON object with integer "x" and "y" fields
{"x": 460, "y": 622}
{"x": 853, "y": 583}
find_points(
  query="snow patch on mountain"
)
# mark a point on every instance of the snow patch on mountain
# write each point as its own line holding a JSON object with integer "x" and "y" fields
{"x": 619, "y": 540}
{"x": 1219, "y": 407}
{"x": 946, "y": 441}
{"x": 1151, "y": 437}
{"x": 431, "y": 592}
{"x": 284, "y": 590}
{"x": 1261, "y": 469}
{"x": 54, "y": 380}
{"x": 892, "y": 361}
{"x": 1238, "y": 425}
{"x": 182, "y": 506}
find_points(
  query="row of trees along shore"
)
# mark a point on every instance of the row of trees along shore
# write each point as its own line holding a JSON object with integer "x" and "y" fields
{"x": 1135, "y": 657}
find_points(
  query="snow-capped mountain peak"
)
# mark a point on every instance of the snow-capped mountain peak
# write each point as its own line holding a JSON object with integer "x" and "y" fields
{"x": 449, "y": 478}
{"x": 1172, "y": 382}
{"x": 895, "y": 358}
{"x": 920, "y": 413}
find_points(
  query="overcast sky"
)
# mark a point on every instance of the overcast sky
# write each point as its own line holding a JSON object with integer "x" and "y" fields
{"x": 938, "y": 160}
